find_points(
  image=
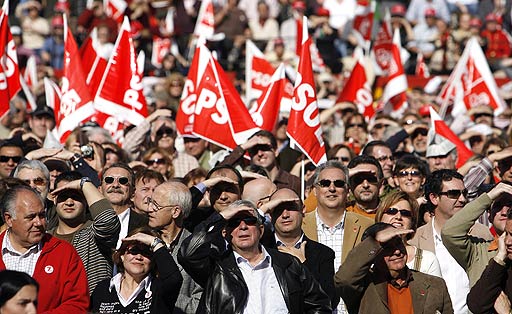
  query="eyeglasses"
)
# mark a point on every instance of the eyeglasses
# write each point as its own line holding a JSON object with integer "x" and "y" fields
{"x": 165, "y": 131}
{"x": 248, "y": 220}
{"x": 325, "y": 183}
{"x": 158, "y": 161}
{"x": 384, "y": 158}
{"x": 455, "y": 194}
{"x": 143, "y": 250}
{"x": 260, "y": 147}
{"x": 15, "y": 159}
{"x": 36, "y": 181}
{"x": 380, "y": 126}
{"x": 121, "y": 180}
{"x": 359, "y": 178}
{"x": 412, "y": 173}
{"x": 403, "y": 212}
{"x": 345, "y": 159}
{"x": 157, "y": 206}
{"x": 420, "y": 131}
{"x": 355, "y": 125}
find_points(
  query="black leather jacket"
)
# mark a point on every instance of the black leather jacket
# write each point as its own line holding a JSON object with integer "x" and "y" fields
{"x": 212, "y": 265}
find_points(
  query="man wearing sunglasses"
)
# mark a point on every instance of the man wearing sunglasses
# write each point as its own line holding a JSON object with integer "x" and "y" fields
{"x": 365, "y": 183}
{"x": 262, "y": 148}
{"x": 233, "y": 275}
{"x": 10, "y": 155}
{"x": 446, "y": 194}
{"x": 88, "y": 222}
{"x": 117, "y": 185}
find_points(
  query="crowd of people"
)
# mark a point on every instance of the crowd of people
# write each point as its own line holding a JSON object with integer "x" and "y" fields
{"x": 161, "y": 222}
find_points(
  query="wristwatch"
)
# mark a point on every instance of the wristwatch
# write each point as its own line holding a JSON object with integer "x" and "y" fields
{"x": 156, "y": 241}
{"x": 83, "y": 180}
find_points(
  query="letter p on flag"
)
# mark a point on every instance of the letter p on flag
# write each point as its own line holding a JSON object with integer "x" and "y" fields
{"x": 304, "y": 127}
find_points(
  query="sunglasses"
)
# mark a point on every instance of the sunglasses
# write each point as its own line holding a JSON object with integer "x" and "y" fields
{"x": 325, "y": 183}
{"x": 420, "y": 131}
{"x": 289, "y": 206}
{"x": 345, "y": 159}
{"x": 248, "y": 220}
{"x": 479, "y": 115}
{"x": 165, "y": 131}
{"x": 140, "y": 249}
{"x": 412, "y": 173}
{"x": 380, "y": 126}
{"x": 158, "y": 161}
{"x": 403, "y": 212}
{"x": 355, "y": 125}
{"x": 359, "y": 178}
{"x": 455, "y": 194}
{"x": 15, "y": 159}
{"x": 260, "y": 147}
{"x": 64, "y": 195}
{"x": 121, "y": 180}
{"x": 36, "y": 181}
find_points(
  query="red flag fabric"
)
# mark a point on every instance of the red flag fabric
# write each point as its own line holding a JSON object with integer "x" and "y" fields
{"x": 120, "y": 91}
{"x": 52, "y": 93}
{"x": 363, "y": 21}
{"x": 440, "y": 128}
{"x": 421, "y": 67}
{"x": 205, "y": 20}
{"x": 304, "y": 127}
{"x": 76, "y": 104}
{"x": 383, "y": 43}
{"x": 9, "y": 71}
{"x": 185, "y": 114}
{"x": 258, "y": 71}
{"x": 161, "y": 47}
{"x": 298, "y": 43}
{"x": 394, "y": 96}
{"x": 115, "y": 9}
{"x": 357, "y": 90}
{"x": 30, "y": 73}
{"x": 94, "y": 60}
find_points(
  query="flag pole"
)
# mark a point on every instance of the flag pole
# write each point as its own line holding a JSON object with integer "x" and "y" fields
{"x": 302, "y": 178}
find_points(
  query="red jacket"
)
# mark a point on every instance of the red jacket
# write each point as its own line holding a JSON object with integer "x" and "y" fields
{"x": 61, "y": 276}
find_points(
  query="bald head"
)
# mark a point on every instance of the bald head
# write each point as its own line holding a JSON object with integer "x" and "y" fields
{"x": 284, "y": 193}
{"x": 258, "y": 191}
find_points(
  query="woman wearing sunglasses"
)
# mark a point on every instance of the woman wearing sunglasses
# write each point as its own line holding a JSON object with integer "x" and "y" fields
{"x": 148, "y": 280}
{"x": 159, "y": 160}
{"x": 401, "y": 210}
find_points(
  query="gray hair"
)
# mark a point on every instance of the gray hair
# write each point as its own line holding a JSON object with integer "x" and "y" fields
{"x": 91, "y": 131}
{"x": 33, "y": 165}
{"x": 247, "y": 203}
{"x": 330, "y": 164}
{"x": 8, "y": 201}
{"x": 180, "y": 195}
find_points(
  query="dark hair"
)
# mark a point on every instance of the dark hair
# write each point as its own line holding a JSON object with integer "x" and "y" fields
{"x": 434, "y": 183}
{"x": 368, "y": 148}
{"x": 116, "y": 257}
{"x": 149, "y": 174}
{"x": 267, "y": 134}
{"x": 124, "y": 166}
{"x": 228, "y": 167}
{"x": 11, "y": 282}
{"x": 332, "y": 152}
{"x": 68, "y": 176}
{"x": 366, "y": 159}
{"x": 410, "y": 161}
{"x": 493, "y": 141}
{"x": 194, "y": 174}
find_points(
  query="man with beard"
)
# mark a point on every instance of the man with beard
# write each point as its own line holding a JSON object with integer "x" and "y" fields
{"x": 446, "y": 194}
{"x": 117, "y": 185}
{"x": 365, "y": 182}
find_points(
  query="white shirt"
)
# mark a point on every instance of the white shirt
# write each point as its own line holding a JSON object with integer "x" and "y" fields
{"x": 341, "y": 12}
{"x": 23, "y": 262}
{"x": 453, "y": 274}
{"x": 124, "y": 218}
{"x": 115, "y": 282}
{"x": 265, "y": 295}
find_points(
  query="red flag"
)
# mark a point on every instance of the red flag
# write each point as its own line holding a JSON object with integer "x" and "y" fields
{"x": 357, "y": 90}
{"x": 440, "y": 128}
{"x": 304, "y": 122}
{"x": 421, "y": 67}
{"x": 30, "y": 74}
{"x": 115, "y": 9}
{"x": 266, "y": 109}
{"x": 205, "y": 20}
{"x": 394, "y": 96}
{"x": 76, "y": 103}
{"x": 185, "y": 114}
{"x": 94, "y": 60}
{"x": 298, "y": 43}
{"x": 9, "y": 71}
{"x": 383, "y": 43}
{"x": 220, "y": 115}
{"x": 363, "y": 21}
{"x": 258, "y": 71}
{"x": 161, "y": 47}
{"x": 120, "y": 91}
{"x": 52, "y": 93}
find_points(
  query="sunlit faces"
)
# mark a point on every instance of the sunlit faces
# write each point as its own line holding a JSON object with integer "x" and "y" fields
{"x": 287, "y": 216}
{"x": 195, "y": 146}
{"x": 399, "y": 215}
{"x": 224, "y": 193}
{"x": 114, "y": 189}
{"x": 165, "y": 134}
{"x": 160, "y": 212}
{"x": 441, "y": 162}
{"x": 385, "y": 157}
{"x": 410, "y": 180}
{"x": 331, "y": 197}
{"x": 10, "y": 156}
{"x": 447, "y": 206}
{"x": 419, "y": 140}
{"x": 343, "y": 156}
{"x": 23, "y": 302}
{"x": 41, "y": 124}
{"x": 247, "y": 232}
{"x": 500, "y": 219}
{"x": 70, "y": 205}
{"x": 365, "y": 184}
{"x": 143, "y": 189}
{"x": 395, "y": 255}
{"x": 157, "y": 162}
{"x": 36, "y": 179}
{"x": 263, "y": 154}
{"x": 137, "y": 260}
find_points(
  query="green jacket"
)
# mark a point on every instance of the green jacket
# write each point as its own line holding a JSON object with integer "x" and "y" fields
{"x": 472, "y": 253}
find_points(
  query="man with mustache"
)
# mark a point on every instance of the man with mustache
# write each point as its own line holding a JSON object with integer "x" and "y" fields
{"x": 118, "y": 185}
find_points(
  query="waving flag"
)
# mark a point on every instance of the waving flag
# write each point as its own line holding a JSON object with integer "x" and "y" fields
{"x": 421, "y": 67}
{"x": 9, "y": 71}
{"x": 383, "y": 43}
{"x": 205, "y": 20}
{"x": 94, "y": 60}
{"x": 304, "y": 127}
{"x": 30, "y": 74}
{"x": 394, "y": 96}
{"x": 161, "y": 47}
{"x": 115, "y": 9}
{"x": 76, "y": 102}
{"x": 52, "y": 93}
{"x": 258, "y": 71}
{"x": 363, "y": 22}
{"x": 120, "y": 92}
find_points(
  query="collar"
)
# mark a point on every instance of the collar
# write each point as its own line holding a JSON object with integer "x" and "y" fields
{"x": 7, "y": 245}
{"x": 296, "y": 245}
{"x": 125, "y": 214}
{"x": 405, "y": 275}
{"x": 437, "y": 236}
{"x": 264, "y": 263}
{"x": 115, "y": 282}
{"x": 321, "y": 224}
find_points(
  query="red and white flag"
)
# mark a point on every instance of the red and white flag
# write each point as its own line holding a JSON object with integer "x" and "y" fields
{"x": 94, "y": 60}
{"x": 30, "y": 74}
{"x": 440, "y": 128}
{"x": 266, "y": 109}
{"x": 421, "y": 67}
{"x": 115, "y": 9}
{"x": 304, "y": 127}
{"x": 28, "y": 94}
{"x": 298, "y": 39}
{"x": 363, "y": 22}
{"x": 383, "y": 42}
{"x": 9, "y": 70}
{"x": 52, "y": 93}
{"x": 258, "y": 71}
{"x": 394, "y": 95}
{"x": 76, "y": 104}
{"x": 471, "y": 84}
{"x": 205, "y": 20}
{"x": 161, "y": 47}
{"x": 358, "y": 91}
{"x": 120, "y": 92}
{"x": 220, "y": 116}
